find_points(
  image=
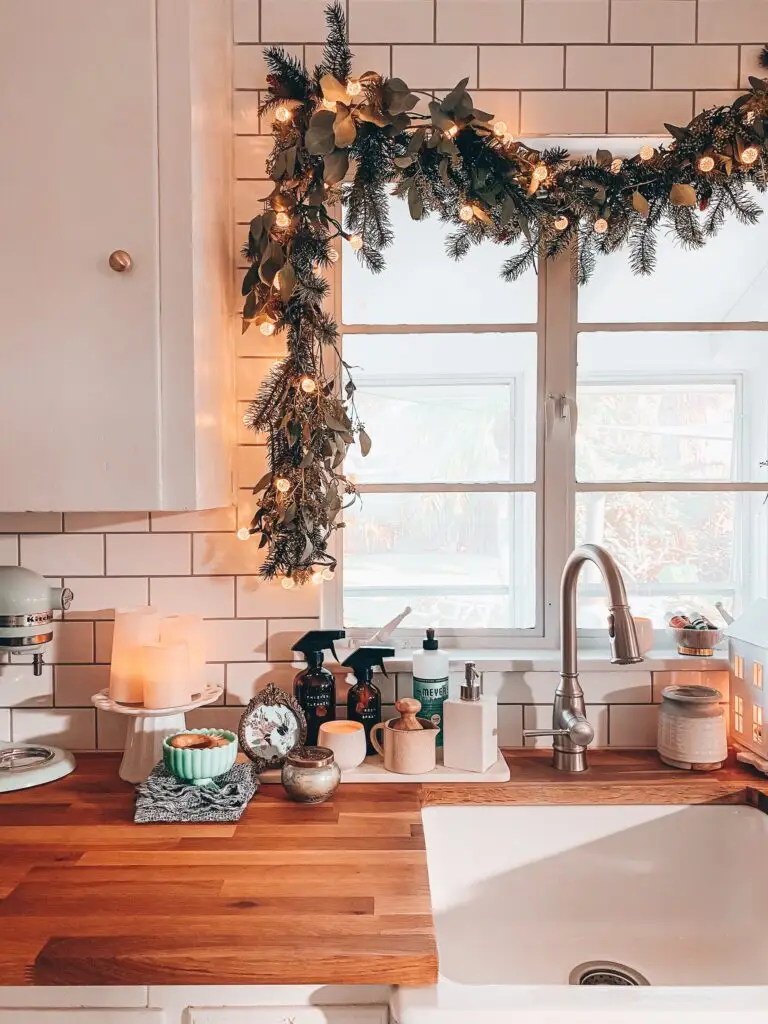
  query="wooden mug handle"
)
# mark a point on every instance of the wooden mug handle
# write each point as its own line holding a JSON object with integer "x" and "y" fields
{"x": 376, "y": 745}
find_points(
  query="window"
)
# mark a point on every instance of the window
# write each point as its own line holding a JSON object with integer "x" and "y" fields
{"x": 738, "y": 666}
{"x": 738, "y": 713}
{"x": 757, "y": 675}
{"x": 757, "y": 724}
{"x": 512, "y": 421}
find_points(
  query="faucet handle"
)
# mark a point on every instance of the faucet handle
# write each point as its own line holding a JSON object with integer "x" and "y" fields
{"x": 578, "y": 730}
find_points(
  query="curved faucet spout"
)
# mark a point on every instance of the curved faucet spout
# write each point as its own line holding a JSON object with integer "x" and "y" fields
{"x": 621, "y": 628}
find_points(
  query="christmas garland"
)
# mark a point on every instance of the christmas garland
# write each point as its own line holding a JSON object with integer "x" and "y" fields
{"x": 340, "y": 140}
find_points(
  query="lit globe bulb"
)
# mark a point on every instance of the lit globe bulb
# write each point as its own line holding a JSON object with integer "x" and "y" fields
{"x": 243, "y": 533}
{"x": 356, "y": 241}
{"x": 646, "y": 153}
{"x": 308, "y": 386}
{"x": 561, "y": 223}
{"x": 750, "y": 155}
{"x": 452, "y": 132}
{"x": 267, "y": 328}
{"x": 333, "y": 255}
{"x": 282, "y": 219}
{"x": 327, "y": 574}
{"x": 283, "y": 114}
{"x": 287, "y": 583}
{"x": 749, "y": 117}
{"x": 706, "y": 164}
{"x": 466, "y": 213}
{"x": 616, "y": 165}
{"x": 540, "y": 172}
{"x": 329, "y": 104}
{"x": 317, "y": 578}
{"x": 354, "y": 88}
{"x": 283, "y": 485}
{"x": 600, "y": 226}
{"x": 500, "y": 129}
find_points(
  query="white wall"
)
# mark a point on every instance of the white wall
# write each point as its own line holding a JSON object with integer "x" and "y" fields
{"x": 545, "y": 67}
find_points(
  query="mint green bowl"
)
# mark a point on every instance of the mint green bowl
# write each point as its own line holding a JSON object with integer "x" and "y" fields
{"x": 200, "y": 767}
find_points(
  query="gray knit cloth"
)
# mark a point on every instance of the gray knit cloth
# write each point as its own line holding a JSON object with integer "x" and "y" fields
{"x": 163, "y": 797}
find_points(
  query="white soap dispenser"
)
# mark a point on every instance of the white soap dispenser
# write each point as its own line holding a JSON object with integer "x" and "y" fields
{"x": 470, "y": 726}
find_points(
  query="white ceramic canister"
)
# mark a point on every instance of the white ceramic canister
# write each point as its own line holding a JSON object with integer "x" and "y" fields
{"x": 692, "y": 728}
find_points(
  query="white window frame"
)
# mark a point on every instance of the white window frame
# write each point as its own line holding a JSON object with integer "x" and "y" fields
{"x": 557, "y": 329}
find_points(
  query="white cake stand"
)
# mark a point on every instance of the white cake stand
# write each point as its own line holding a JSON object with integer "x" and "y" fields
{"x": 147, "y": 728}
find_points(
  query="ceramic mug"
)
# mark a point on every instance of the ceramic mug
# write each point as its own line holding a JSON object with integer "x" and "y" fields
{"x": 346, "y": 740}
{"x": 644, "y": 630}
{"x": 407, "y": 751}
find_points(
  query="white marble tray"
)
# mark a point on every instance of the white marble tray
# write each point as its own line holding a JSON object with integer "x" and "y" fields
{"x": 372, "y": 770}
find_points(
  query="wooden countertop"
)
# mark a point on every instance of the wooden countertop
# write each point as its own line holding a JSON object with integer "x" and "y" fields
{"x": 334, "y": 894}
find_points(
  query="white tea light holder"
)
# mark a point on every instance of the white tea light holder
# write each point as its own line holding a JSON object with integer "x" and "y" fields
{"x": 148, "y": 727}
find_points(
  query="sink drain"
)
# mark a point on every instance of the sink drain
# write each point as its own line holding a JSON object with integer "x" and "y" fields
{"x": 605, "y": 972}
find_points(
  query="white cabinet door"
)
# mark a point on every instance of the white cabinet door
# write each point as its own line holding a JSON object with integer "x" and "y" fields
{"x": 289, "y": 1015}
{"x": 70, "y": 1016}
{"x": 78, "y": 179}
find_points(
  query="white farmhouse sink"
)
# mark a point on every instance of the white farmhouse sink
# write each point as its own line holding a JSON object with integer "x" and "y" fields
{"x": 522, "y": 896}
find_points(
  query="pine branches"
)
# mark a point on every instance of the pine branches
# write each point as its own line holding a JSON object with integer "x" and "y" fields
{"x": 337, "y": 58}
{"x": 763, "y": 58}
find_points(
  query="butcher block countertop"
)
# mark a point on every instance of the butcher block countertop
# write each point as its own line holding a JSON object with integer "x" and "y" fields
{"x": 333, "y": 894}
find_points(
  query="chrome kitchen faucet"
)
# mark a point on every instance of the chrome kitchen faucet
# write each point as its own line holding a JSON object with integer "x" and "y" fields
{"x": 571, "y": 731}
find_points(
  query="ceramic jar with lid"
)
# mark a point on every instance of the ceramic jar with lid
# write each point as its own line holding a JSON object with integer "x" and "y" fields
{"x": 692, "y": 728}
{"x": 310, "y": 774}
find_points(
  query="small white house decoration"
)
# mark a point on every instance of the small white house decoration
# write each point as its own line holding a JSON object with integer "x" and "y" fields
{"x": 748, "y": 661}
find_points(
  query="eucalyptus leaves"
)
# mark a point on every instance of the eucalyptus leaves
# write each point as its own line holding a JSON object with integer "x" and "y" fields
{"x": 354, "y": 141}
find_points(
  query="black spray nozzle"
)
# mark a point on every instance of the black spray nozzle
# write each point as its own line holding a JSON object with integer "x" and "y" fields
{"x": 318, "y": 640}
{"x": 365, "y": 659}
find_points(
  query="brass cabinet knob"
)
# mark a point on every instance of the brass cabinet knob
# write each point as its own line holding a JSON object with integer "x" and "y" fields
{"x": 120, "y": 261}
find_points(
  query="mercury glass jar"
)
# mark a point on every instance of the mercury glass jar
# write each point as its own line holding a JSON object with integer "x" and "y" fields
{"x": 692, "y": 729}
{"x": 310, "y": 774}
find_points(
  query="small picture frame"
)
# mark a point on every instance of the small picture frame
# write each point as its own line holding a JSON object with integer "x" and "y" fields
{"x": 271, "y": 726}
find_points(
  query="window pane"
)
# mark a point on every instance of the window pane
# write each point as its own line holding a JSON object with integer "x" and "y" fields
{"x": 462, "y": 561}
{"x": 663, "y": 406}
{"x": 456, "y": 408}
{"x": 421, "y": 285}
{"x": 727, "y": 280}
{"x": 678, "y": 551}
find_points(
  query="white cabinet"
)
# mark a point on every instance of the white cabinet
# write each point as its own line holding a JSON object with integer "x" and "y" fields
{"x": 82, "y": 1016}
{"x": 115, "y": 385}
{"x": 290, "y": 1015}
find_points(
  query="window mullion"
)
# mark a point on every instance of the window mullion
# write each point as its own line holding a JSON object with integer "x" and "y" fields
{"x": 560, "y": 295}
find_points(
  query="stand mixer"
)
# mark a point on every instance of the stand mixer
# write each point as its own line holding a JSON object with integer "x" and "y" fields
{"x": 27, "y": 604}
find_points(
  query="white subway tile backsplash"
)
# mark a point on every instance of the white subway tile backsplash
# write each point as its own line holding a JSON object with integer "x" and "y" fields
{"x": 106, "y": 522}
{"x": 250, "y": 465}
{"x": 250, "y": 69}
{"x": 103, "y": 633}
{"x": 9, "y": 549}
{"x": 74, "y": 685}
{"x": 608, "y": 67}
{"x": 653, "y": 21}
{"x": 72, "y": 728}
{"x": 510, "y": 728}
{"x": 562, "y": 113}
{"x": 364, "y": 58}
{"x": 5, "y": 725}
{"x": 251, "y": 154}
{"x": 251, "y": 372}
{"x": 216, "y": 717}
{"x": 718, "y": 680}
{"x": 298, "y": 20}
{"x": 212, "y": 597}
{"x": 732, "y": 21}
{"x": 397, "y": 21}
{"x": 706, "y": 98}
{"x": 749, "y": 63}
{"x": 258, "y": 598}
{"x": 435, "y": 67}
{"x": 160, "y": 554}
{"x": 503, "y": 104}
{"x": 21, "y": 688}
{"x": 207, "y": 521}
{"x": 236, "y": 639}
{"x": 695, "y": 67}
{"x": 245, "y": 114}
{"x": 63, "y": 554}
{"x": 224, "y": 554}
{"x": 646, "y": 113}
{"x": 96, "y": 597}
{"x": 522, "y": 67}
{"x": 245, "y": 679}
{"x": 630, "y": 687}
{"x": 566, "y": 21}
{"x": 478, "y": 21}
{"x": 111, "y": 730}
{"x": 72, "y": 643}
{"x": 539, "y": 716}
{"x": 283, "y": 633}
{"x": 30, "y": 522}
{"x": 633, "y": 726}
{"x": 245, "y": 15}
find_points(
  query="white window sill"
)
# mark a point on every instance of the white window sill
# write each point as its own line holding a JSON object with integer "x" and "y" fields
{"x": 590, "y": 658}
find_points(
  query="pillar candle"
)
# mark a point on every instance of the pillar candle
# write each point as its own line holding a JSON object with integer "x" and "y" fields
{"x": 166, "y": 675}
{"x": 190, "y": 630}
{"x": 134, "y": 627}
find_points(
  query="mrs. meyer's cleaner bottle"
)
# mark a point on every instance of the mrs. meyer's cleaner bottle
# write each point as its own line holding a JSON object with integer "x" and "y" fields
{"x": 430, "y": 682}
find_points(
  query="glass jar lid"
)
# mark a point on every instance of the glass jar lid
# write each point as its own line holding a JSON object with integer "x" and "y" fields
{"x": 692, "y": 694}
{"x": 310, "y": 757}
